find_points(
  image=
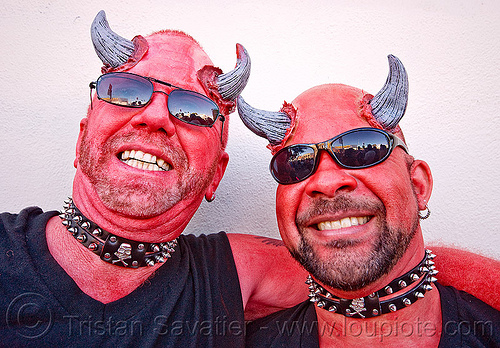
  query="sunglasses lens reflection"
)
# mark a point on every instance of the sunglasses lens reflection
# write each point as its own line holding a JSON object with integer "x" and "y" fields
{"x": 124, "y": 90}
{"x": 355, "y": 150}
{"x": 293, "y": 164}
{"x": 192, "y": 107}
{"x": 135, "y": 91}
{"x": 361, "y": 149}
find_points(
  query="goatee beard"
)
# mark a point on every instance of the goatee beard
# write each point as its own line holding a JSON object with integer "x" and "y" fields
{"x": 347, "y": 269}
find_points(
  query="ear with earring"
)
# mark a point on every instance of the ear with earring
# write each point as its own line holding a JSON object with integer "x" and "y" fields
{"x": 427, "y": 211}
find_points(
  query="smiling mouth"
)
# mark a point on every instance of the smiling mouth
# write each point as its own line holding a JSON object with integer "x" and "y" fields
{"x": 144, "y": 161}
{"x": 343, "y": 223}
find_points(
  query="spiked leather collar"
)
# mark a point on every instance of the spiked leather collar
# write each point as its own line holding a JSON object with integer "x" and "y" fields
{"x": 113, "y": 249}
{"x": 379, "y": 302}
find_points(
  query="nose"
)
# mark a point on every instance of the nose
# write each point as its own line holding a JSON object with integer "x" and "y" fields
{"x": 155, "y": 116}
{"x": 329, "y": 178}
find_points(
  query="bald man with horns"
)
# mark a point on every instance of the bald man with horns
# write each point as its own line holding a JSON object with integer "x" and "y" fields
{"x": 113, "y": 269}
{"x": 349, "y": 204}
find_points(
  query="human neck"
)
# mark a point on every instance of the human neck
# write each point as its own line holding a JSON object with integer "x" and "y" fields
{"x": 419, "y": 325}
{"x": 154, "y": 229}
{"x": 100, "y": 280}
{"x": 413, "y": 255}
{"x": 422, "y": 316}
{"x": 399, "y": 293}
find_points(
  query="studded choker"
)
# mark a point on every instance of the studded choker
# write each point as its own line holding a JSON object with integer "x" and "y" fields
{"x": 379, "y": 303}
{"x": 113, "y": 249}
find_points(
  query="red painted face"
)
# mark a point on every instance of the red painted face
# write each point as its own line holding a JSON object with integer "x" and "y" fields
{"x": 187, "y": 161}
{"x": 347, "y": 227}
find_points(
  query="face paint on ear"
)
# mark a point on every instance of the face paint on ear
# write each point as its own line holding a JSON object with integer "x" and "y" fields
{"x": 219, "y": 173}
{"x": 421, "y": 179}
{"x": 83, "y": 128}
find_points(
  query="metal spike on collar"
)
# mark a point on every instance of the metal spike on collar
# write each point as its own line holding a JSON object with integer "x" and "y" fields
{"x": 427, "y": 287}
{"x": 382, "y": 298}
{"x": 97, "y": 240}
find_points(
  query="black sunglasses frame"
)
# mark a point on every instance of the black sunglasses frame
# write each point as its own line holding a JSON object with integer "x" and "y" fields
{"x": 326, "y": 145}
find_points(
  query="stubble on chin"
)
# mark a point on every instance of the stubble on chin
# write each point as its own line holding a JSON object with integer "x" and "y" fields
{"x": 342, "y": 264}
{"x": 138, "y": 197}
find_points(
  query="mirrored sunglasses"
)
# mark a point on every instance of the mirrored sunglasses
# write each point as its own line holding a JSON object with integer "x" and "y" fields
{"x": 355, "y": 149}
{"x": 135, "y": 91}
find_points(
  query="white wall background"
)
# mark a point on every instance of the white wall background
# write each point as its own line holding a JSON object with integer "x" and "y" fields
{"x": 450, "y": 50}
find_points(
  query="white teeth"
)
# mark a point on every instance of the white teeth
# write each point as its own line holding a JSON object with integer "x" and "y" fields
{"x": 139, "y": 155}
{"x": 343, "y": 223}
{"x": 146, "y": 161}
{"x": 165, "y": 166}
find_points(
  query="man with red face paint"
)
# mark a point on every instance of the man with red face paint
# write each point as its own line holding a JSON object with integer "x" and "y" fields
{"x": 348, "y": 207}
{"x": 113, "y": 269}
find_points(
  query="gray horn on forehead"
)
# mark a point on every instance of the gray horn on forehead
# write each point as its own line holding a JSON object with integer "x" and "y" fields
{"x": 232, "y": 83}
{"x": 266, "y": 124}
{"x": 111, "y": 48}
{"x": 389, "y": 104}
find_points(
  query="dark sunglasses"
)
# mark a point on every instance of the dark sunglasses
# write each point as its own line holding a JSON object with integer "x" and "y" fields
{"x": 355, "y": 149}
{"x": 135, "y": 91}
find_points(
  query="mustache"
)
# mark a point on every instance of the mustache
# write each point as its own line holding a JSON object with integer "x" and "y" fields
{"x": 323, "y": 206}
